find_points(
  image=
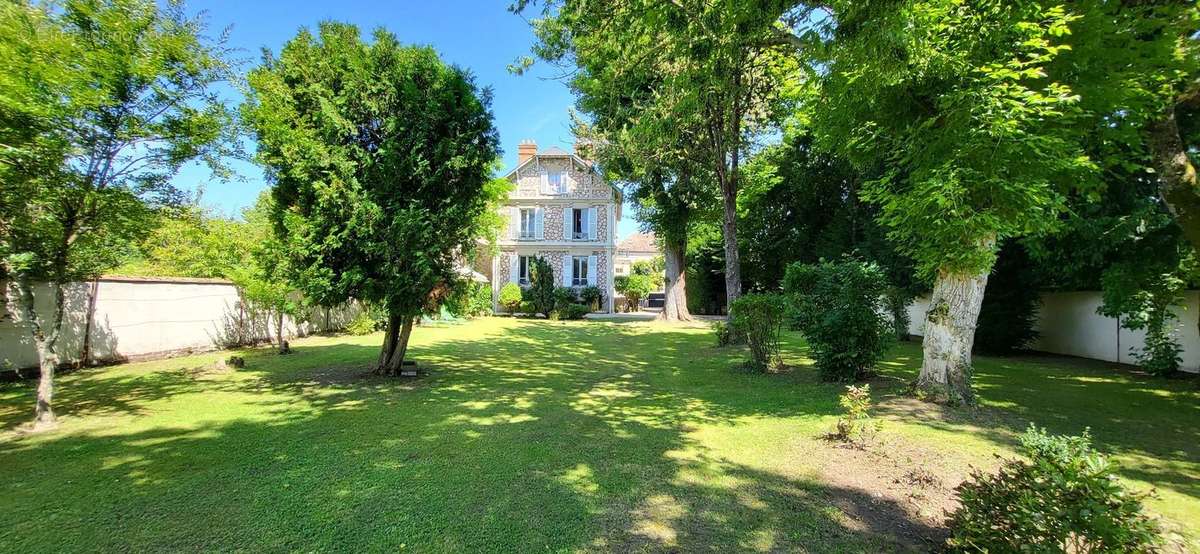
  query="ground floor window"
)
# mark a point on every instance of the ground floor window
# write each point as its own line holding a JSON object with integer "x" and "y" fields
{"x": 523, "y": 263}
{"x": 579, "y": 271}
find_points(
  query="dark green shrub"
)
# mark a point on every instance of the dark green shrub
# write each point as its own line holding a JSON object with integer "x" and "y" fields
{"x": 510, "y": 297}
{"x": 839, "y": 308}
{"x": 1010, "y": 304}
{"x": 527, "y": 308}
{"x": 592, "y": 297}
{"x": 760, "y": 318}
{"x": 1065, "y": 498}
{"x": 563, "y": 297}
{"x": 541, "y": 287}
{"x": 573, "y": 311}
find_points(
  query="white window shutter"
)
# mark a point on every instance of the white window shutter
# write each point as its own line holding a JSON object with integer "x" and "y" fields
{"x": 568, "y": 214}
{"x": 514, "y": 222}
{"x": 539, "y": 232}
{"x": 591, "y": 275}
{"x": 562, "y": 183}
{"x": 514, "y": 267}
{"x": 591, "y": 223}
{"x": 568, "y": 269}
{"x": 544, "y": 183}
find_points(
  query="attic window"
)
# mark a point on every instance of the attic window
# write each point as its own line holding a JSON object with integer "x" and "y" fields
{"x": 557, "y": 182}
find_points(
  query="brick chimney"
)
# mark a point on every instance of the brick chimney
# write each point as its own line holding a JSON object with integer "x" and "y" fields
{"x": 527, "y": 149}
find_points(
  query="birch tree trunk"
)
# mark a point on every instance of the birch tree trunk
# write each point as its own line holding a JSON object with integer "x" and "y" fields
{"x": 949, "y": 336}
{"x": 45, "y": 344}
{"x": 733, "y": 265}
{"x": 675, "y": 258}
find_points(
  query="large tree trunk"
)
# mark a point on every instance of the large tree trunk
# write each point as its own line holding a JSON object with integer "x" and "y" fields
{"x": 395, "y": 345}
{"x": 949, "y": 335}
{"x": 1176, "y": 176}
{"x": 675, "y": 257}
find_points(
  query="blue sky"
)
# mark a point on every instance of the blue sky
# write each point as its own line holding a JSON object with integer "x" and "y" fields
{"x": 479, "y": 35}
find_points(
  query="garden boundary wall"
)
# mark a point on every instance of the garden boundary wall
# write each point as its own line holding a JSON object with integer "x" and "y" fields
{"x": 116, "y": 319}
{"x": 1069, "y": 324}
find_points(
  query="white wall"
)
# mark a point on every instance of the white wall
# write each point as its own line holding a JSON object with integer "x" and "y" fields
{"x": 1069, "y": 325}
{"x": 137, "y": 318}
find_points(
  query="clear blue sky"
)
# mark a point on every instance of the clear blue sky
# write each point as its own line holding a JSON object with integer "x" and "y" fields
{"x": 480, "y": 35}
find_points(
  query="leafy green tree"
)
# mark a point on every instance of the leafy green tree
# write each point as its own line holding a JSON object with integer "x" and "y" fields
{"x": 118, "y": 96}
{"x": 634, "y": 288}
{"x": 379, "y": 154}
{"x": 978, "y": 144}
{"x": 719, "y": 71}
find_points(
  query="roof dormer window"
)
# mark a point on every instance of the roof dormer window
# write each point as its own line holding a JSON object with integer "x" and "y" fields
{"x": 556, "y": 182}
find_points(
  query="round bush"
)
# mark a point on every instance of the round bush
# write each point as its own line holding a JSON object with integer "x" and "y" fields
{"x": 510, "y": 297}
{"x": 840, "y": 308}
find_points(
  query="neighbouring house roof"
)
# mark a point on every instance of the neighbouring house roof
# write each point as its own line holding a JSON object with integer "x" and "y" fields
{"x": 638, "y": 242}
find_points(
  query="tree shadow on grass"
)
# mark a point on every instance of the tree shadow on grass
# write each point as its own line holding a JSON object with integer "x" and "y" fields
{"x": 543, "y": 437}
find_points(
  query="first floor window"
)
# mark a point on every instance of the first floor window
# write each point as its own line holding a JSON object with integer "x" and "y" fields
{"x": 523, "y": 263}
{"x": 579, "y": 224}
{"x": 579, "y": 271}
{"x": 528, "y": 223}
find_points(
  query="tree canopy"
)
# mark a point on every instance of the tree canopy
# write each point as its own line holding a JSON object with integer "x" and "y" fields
{"x": 380, "y": 157}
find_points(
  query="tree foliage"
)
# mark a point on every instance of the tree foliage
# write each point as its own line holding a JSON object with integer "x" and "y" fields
{"x": 102, "y": 102}
{"x": 380, "y": 156}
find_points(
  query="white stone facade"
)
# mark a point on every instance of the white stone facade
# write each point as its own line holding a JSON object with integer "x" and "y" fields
{"x": 560, "y": 207}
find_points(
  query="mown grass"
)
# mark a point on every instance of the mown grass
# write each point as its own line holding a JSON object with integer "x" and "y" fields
{"x": 526, "y": 436}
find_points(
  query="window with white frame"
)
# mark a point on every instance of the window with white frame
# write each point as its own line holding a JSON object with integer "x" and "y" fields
{"x": 579, "y": 224}
{"x": 579, "y": 271}
{"x": 557, "y": 182}
{"x": 528, "y": 223}
{"x": 523, "y": 265}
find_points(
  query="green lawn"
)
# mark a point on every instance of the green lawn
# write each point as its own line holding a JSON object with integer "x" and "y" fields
{"x": 533, "y": 436}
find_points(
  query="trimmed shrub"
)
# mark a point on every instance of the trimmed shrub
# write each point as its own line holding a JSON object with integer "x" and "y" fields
{"x": 840, "y": 310}
{"x": 541, "y": 287}
{"x": 527, "y": 308}
{"x": 760, "y": 318}
{"x": 510, "y": 297}
{"x": 573, "y": 311}
{"x": 1066, "y": 498}
{"x": 592, "y": 297}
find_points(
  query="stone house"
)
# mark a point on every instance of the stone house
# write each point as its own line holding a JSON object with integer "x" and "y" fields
{"x": 562, "y": 210}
